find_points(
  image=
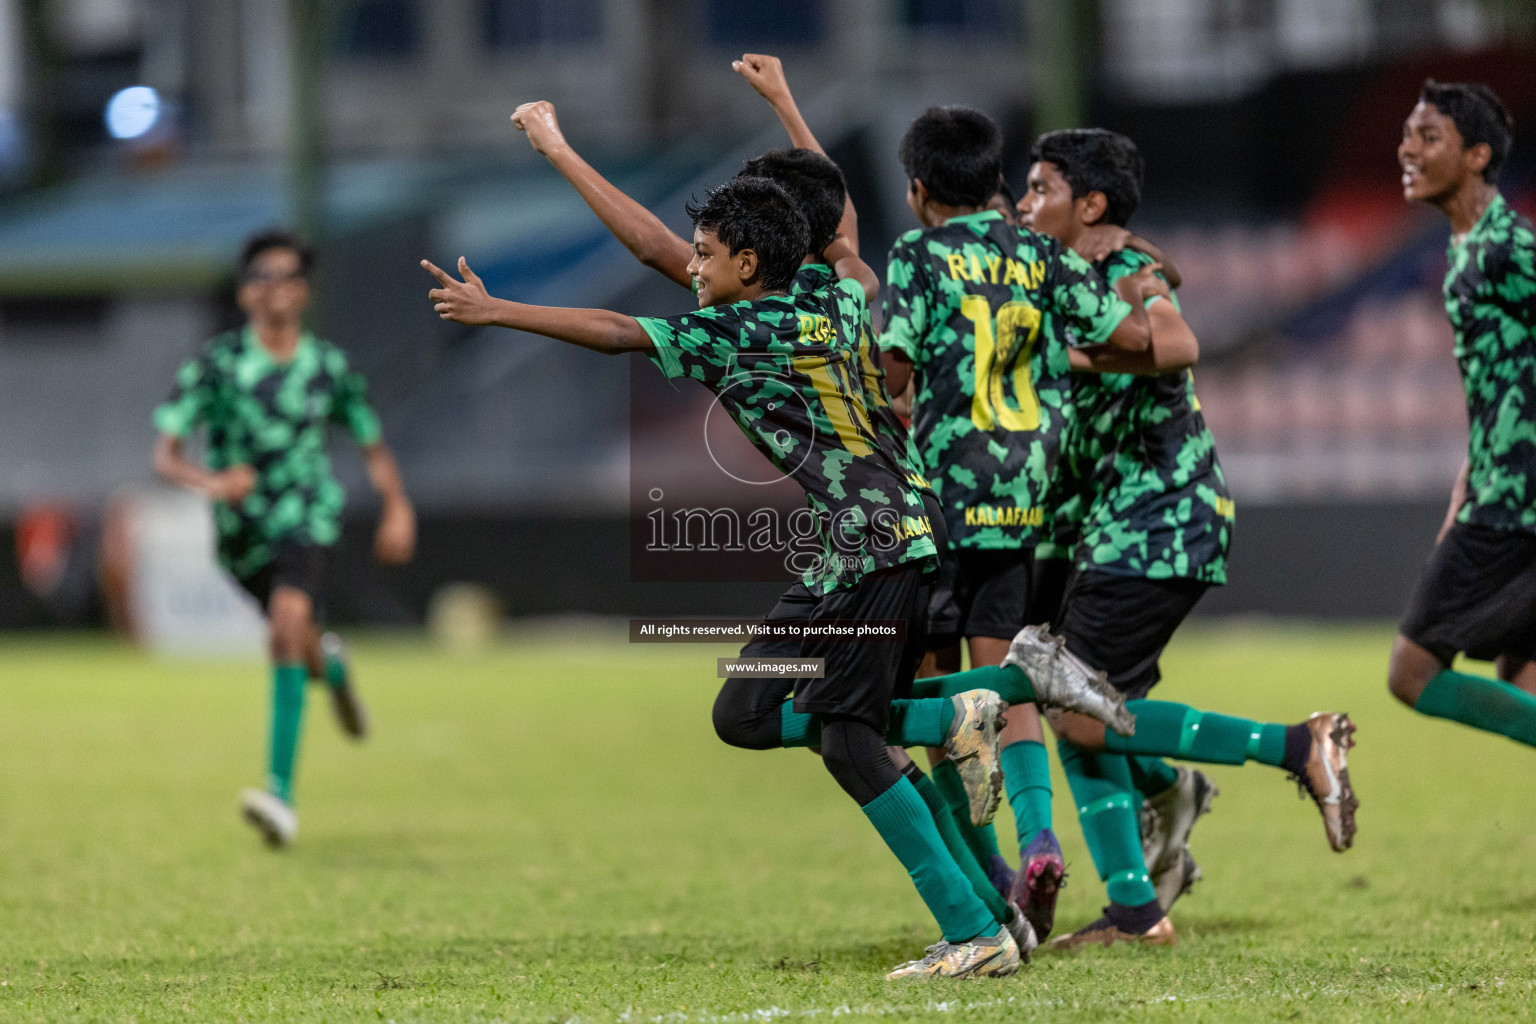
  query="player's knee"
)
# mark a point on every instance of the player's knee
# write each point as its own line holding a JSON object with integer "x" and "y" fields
{"x": 1409, "y": 671}
{"x": 1079, "y": 730}
{"x": 289, "y": 618}
{"x": 740, "y": 724}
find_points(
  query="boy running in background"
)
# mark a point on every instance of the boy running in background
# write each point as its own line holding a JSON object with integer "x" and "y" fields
{"x": 1477, "y": 595}
{"x": 267, "y": 394}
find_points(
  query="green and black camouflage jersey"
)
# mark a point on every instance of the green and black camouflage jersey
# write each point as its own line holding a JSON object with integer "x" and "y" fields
{"x": 892, "y": 432}
{"x": 272, "y": 417}
{"x": 1142, "y": 471}
{"x": 1490, "y": 297}
{"x": 980, "y": 308}
{"x": 785, "y": 367}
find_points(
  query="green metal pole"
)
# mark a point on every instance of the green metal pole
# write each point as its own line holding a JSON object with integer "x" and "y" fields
{"x": 41, "y": 56}
{"x": 306, "y": 144}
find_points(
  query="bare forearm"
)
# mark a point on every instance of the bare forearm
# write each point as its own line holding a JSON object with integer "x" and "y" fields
{"x": 1134, "y": 333}
{"x": 1172, "y": 346}
{"x": 171, "y": 463}
{"x": 597, "y": 329}
{"x": 638, "y": 229}
{"x": 384, "y": 474}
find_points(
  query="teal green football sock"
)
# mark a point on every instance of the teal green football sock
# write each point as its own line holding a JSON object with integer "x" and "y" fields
{"x": 288, "y": 682}
{"x": 920, "y": 723}
{"x": 1027, "y": 776}
{"x": 964, "y": 856}
{"x": 1152, "y": 775}
{"x": 335, "y": 673}
{"x": 982, "y": 839}
{"x": 903, "y": 821}
{"x": 1483, "y": 703}
{"x": 913, "y": 723}
{"x": 1008, "y": 681}
{"x": 1165, "y": 729}
{"x": 796, "y": 729}
{"x": 1109, "y": 811}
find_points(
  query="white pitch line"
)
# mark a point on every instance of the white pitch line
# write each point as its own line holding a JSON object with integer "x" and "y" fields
{"x": 774, "y": 1013}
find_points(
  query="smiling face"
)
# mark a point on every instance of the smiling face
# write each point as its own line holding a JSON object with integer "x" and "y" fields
{"x": 1047, "y": 205}
{"x": 274, "y": 289}
{"x": 1433, "y": 157}
{"x": 719, "y": 277}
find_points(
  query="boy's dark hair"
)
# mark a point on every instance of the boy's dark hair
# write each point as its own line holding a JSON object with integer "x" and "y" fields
{"x": 1095, "y": 160}
{"x": 957, "y": 153}
{"x": 814, "y": 183}
{"x": 1006, "y": 192}
{"x": 754, "y": 213}
{"x": 264, "y": 241}
{"x": 1478, "y": 115}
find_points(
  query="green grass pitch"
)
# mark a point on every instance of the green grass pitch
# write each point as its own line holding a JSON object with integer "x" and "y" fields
{"x": 551, "y": 832}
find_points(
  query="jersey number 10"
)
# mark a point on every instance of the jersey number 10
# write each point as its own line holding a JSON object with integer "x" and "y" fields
{"x": 997, "y": 347}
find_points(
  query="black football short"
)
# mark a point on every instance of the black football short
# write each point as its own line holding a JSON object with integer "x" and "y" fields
{"x": 794, "y": 605}
{"x": 1477, "y": 596}
{"x": 1121, "y": 624}
{"x": 992, "y": 594}
{"x": 862, "y": 677}
{"x": 300, "y": 566}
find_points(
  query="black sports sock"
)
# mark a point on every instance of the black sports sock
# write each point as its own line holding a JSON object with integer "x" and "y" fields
{"x": 1298, "y": 747}
{"x": 1134, "y": 920}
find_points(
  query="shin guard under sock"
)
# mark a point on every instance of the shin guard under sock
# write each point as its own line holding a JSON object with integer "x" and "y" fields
{"x": 913, "y": 723}
{"x": 288, "y": 682}
{"x": 1027, "y": 778}
{"x": 1109, "y": 811}
{"x": 982, "y": 839}
{"x": 1008, "y": 681}
{"x": 1165, "y": 729}
{"x": 944, "y": 821}
{"x": 903, "y": 821}
{"x": 1483, "y": 703}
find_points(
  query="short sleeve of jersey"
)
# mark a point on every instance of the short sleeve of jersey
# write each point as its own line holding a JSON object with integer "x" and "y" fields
{"x": 1514, "y": 280}
{"x": 189, "y": 400}
{"x": 693, "y": 344}
{"x": 904, "y": 302}
{"x": 349, "y": 401}
{"x": 1127, "y": 261}
{"x": 1076, "y": 292}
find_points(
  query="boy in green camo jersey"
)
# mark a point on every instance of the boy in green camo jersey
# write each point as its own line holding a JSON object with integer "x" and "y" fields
{"x": 752, "y": 344}
{"x": 1477, "y": 595}
{"x": 267, "y": 394}
{"x": 1154, "y": 532}
{"x": 976, "y": 312}
{"x": 747, "y": 712}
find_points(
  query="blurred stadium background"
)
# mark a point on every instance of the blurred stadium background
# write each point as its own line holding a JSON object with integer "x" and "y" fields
{"x": 380, "y": 126}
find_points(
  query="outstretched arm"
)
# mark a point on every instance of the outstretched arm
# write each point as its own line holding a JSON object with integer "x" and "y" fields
{"x": 640, "y": 230}
{"x": 1174, "y": 347}
{"x": 766, "y": 74}
{"x": 467, "y": 302}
